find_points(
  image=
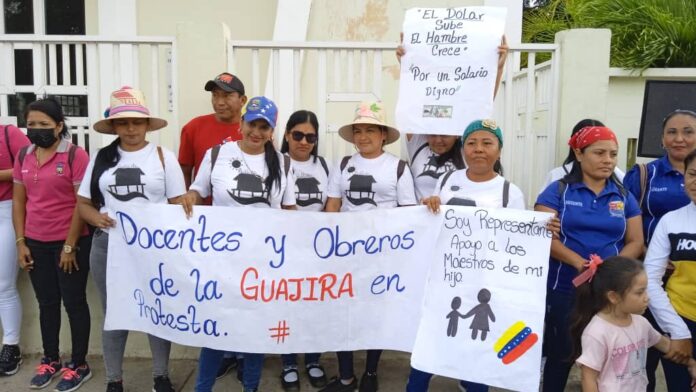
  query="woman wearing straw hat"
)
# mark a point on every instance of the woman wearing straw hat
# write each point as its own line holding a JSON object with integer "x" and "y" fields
{"x": 52, "y": 241}
{"x": 368, "y": 179}
{"x": 129, "y": 170}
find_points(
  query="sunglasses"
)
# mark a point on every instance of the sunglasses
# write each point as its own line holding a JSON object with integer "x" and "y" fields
{"x": 298, "y": 136}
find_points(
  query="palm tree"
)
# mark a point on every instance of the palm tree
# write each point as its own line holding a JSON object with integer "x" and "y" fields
{"x": 645, "y": 33}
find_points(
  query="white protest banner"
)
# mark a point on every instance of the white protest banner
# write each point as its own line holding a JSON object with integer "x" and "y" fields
{"x": 483, "y": 312}
{"x": 448, "y": 72}
{"x": 270, "y": 281}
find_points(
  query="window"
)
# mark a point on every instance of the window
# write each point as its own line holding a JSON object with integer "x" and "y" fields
{"x": 65, "y": 17}
{"x": 18, "y": 104}
{"x": 19, "y": 17}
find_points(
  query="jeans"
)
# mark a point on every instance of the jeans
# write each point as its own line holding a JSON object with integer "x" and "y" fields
{"x": 654, "y": 355}
{"x": 209, "y": 361}
{"x": 52, "y": 285}
{"x": 677, "y": 376}
{"x": 291, "y": 359}
{"x": 114, "y": 342}
{"x": 345, "y": 363}
{"x": 10, "y": 304}
{"x": 557, "y": 342}
{"x": 418, "y": 381}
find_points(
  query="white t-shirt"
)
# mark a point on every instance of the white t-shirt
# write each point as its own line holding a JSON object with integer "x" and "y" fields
{"x": 311, "y": 183}
{"x": 618, "y": 353}
{"x": 365, "y": 184}
{"x": 424, "y": 165}
{"x": 559, "y": 172}
{"x": 238, "y": 179}
{"x": 460, "y": 190}
{"x": 138, "y": 177}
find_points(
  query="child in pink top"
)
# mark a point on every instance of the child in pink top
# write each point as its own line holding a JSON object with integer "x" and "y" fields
{"x": 52, "y": 241}
{"x": 610, "y": 337}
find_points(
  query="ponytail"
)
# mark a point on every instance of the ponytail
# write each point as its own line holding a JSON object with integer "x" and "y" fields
{"x": 273, "y": 164}
{"x": 107, "y": 158}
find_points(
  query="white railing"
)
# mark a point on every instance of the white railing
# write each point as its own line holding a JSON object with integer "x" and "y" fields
{"x": 325, "y": 76}
{"x": 91, "y": 66}
{"x": 527, "y": 105}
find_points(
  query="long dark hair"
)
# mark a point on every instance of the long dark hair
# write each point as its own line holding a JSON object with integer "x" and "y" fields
{"x": 588, "y": 122}
{"x": 107, "y": 158}
{"x": 616, "y": 274}
{"x": 454, "y": 154}
{"x": 273, "y": 164}
{"x": 301, "y": 117}
{"x": 51, "y": 108}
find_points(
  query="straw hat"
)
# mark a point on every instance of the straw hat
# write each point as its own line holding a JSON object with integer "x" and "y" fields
{"x": 127, "y": 103}
{"x": 369, "y": 113}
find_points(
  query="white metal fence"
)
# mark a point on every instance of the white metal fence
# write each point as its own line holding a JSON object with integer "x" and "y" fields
{"x": 90, "y": 67}
{"x": 321, "y": 75}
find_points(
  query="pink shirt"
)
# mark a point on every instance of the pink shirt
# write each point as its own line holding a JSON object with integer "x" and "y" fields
{"x": 17, "y": 140}
{"x": 618, "y": 353}
{"x": 50, "y": 192}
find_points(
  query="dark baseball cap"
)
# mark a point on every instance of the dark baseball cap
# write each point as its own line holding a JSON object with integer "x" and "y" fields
{"x": 227, "y": 82}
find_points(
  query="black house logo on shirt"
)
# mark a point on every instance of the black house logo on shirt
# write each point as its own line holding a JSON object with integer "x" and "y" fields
{"x": 360, "y": 190}
{"x": 308, "y": 192}
{"x": 431, "y": 168}
{"x": 249, "y": 190}
{"x": 128, "y": 184}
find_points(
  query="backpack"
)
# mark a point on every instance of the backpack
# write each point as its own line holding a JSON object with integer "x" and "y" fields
{"x": 71, "y": 155}
{"x": 506, "y": 188}
{"x": 643, "y": 170}
{"x": 399, "y": 168}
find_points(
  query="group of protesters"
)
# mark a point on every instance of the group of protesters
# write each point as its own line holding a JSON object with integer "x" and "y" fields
{"x": 615, "y": 240}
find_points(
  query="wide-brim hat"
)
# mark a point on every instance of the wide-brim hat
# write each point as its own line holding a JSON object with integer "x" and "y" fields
{"x": 127, "y": 102}
{"x": 369, "y": 113}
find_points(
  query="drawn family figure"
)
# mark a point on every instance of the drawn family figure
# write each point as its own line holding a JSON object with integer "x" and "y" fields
{"x": 453, "y": 317}
{"x": 481, "y": 312}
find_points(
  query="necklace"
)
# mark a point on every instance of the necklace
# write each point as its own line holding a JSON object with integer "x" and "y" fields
{"x": 249, "y": 167}
{"x": 36, "y": 171}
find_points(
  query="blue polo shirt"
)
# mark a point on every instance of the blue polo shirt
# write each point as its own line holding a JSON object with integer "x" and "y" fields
{"x": 664, "y": 193}
{"x": 590, "y": 223}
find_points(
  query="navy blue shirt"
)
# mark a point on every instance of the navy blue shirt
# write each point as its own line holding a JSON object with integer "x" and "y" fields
{"x": 664, "y": 193}
{"x": 589, "y": 224}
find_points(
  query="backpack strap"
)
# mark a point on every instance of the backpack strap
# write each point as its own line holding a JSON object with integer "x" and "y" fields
{"x": 344, "y": 162}
{"x": 418, "y": 150}
{"x": 400, "y": 169}
{"x": 324, "y": 165}
{"x": 71, "y": 155}
{"x": 161, "y": 156}
{"x": 23, "y": 154}
{"x": 445, "y": 178}
{"x": 561, "y": 187}
{"x": 286, "y": 164}
{"x": 213, "y": 156}
{"x": 506, "y": 193}
{"x": 643, "y": 170}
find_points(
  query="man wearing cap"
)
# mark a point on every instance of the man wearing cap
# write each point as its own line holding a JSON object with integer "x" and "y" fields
{"x": 204, "y": 132}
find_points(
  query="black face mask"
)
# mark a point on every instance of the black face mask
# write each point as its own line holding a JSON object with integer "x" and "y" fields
{"x": 42, "y": 137}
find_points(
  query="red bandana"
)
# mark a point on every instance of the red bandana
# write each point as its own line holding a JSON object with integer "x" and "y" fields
{"x": 589, "y": 135}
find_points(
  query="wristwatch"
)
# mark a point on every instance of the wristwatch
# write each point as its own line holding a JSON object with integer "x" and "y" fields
{"x": 67, "y": 249}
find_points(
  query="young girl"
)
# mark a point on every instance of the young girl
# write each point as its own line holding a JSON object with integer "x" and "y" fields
{"x": 610, "y": 337}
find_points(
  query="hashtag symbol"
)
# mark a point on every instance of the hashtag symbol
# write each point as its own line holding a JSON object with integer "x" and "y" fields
{"x": 280, "y": 332}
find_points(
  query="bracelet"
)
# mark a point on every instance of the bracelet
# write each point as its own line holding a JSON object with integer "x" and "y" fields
{"x": 18, "y": 240}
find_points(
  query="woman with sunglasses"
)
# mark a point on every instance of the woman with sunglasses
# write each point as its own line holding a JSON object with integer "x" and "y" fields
{"x": 311, "y": 172}
{"x": 659, "y": 188}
